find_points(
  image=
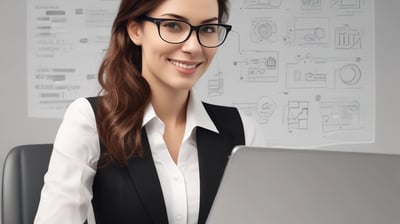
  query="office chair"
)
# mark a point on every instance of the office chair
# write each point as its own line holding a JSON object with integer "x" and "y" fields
{"x": 23, "y": 172}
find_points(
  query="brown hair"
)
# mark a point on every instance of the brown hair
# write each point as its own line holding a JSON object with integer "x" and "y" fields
{"x": 125, "y": 93}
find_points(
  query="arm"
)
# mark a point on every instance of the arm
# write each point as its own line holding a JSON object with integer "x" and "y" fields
{"x": 67, "y": 190}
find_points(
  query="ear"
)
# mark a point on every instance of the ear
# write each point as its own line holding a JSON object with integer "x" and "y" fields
{"x": 135, "y": 32}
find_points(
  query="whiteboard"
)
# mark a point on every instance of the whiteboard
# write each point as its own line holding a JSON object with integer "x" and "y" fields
{"x": 304, "y": 70}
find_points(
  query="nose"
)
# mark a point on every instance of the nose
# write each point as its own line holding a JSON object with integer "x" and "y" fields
{"x": 192, "y": 45}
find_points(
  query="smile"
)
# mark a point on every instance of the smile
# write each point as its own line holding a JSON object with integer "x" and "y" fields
{"x": 183, "y": 65}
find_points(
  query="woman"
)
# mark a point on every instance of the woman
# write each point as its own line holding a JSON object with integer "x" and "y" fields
{"x": 147, "y": 150}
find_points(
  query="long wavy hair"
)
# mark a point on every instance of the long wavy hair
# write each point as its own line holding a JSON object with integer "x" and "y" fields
{"x": 125, "y": 94}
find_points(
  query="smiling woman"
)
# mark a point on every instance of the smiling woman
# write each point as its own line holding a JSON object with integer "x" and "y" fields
{"x": 147, "y": 150}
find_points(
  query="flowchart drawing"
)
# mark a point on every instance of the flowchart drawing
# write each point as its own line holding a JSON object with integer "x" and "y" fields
{"x": 333, "y": 73}
{"x": 309, "y": 32}
{"x": 259, "y": 67}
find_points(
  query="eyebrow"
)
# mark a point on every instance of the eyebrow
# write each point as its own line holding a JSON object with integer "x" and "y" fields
{"x": 175, "y": 16}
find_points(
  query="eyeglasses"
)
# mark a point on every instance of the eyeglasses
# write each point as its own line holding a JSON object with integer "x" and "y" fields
{"x": 175, "y": 31}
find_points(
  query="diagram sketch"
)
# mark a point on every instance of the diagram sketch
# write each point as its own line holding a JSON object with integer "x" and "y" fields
{"x": 348, "y": 75}
{"x": 215, "y": 85}
{"x": 261, "y": 4}
{"x": 348, "y": 38}
{"x": 306, "y": 74}
{"x": 311, "y": 4}
{"x": 346, "y": 4}
{"x": 259, "y": 67}
{"x": 298, "y": 115}
{"x": 262, "y": 110}
{"x": 263, "y": 30}
{"x": 304, "y": 70}
{"x": 340, "y": 116}
{"x": 310, "y": 73}
{"x": 309, "y": 32}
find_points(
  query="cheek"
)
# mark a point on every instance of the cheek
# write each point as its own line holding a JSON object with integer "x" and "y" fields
{"x": 153, "y": 47}
{"x": 210, "y": 53}
{"x": 151, "y": 42}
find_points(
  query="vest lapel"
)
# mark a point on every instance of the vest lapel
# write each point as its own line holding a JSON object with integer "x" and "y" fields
{"x": 213, "y": 155}
{"x": 144, "y": 175}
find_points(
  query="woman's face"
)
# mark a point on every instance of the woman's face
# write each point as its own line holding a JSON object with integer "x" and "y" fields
{"x": 175, "y": 66}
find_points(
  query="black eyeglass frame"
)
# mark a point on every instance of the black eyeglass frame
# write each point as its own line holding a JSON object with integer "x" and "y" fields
{"x": 158, "y": 22}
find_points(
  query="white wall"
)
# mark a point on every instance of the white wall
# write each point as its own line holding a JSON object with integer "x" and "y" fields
{"x": 387, "y": 49}
{"x": 16, "y": 128}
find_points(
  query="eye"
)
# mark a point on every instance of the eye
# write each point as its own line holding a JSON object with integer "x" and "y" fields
{"x": 172, "y": 25}
{"x": 209, "y": 29}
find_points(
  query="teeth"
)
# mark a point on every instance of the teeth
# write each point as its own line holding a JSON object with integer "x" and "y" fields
{"x": 181, "y": 65}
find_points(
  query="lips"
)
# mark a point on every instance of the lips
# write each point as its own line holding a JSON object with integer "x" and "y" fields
{"x": 184, "y": 65}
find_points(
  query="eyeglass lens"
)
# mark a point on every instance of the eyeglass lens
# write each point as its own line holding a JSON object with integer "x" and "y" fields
{"x": 209, "y": 35}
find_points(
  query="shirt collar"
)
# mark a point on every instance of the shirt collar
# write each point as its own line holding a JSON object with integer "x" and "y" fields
{"x": 196, "y": 115}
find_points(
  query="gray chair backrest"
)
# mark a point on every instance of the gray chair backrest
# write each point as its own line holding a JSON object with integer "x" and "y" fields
{"x": 23, "y": 172}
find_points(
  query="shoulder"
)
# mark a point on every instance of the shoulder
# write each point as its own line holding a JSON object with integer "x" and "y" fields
{"x": 80, "y": 108}
{"x": 77, "y": 135}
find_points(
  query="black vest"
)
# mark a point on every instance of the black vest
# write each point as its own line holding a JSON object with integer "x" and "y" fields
{"x": 132, "y": 194}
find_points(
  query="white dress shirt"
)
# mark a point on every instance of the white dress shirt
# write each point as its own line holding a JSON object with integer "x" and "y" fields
{"x": 67, "y": 192}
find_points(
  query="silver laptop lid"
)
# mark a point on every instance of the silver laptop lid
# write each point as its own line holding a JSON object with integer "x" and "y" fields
{"x": 291, "y": 186}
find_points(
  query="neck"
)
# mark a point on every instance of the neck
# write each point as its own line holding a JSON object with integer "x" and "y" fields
{"x": 171, "y": 106}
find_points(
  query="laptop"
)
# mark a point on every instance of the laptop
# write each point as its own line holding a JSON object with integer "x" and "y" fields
{"x": 299, "y": 186}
